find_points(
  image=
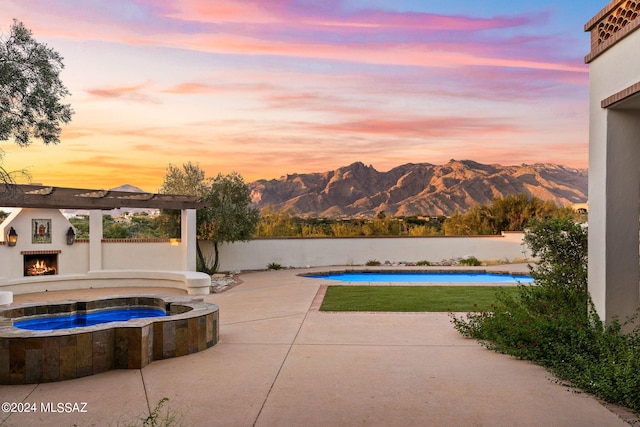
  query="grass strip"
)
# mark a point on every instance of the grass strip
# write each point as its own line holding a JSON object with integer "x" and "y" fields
{"x": 412, "y": 298}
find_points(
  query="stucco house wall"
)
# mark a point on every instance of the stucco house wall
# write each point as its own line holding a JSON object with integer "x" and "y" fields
{"x": 614, "y": 152}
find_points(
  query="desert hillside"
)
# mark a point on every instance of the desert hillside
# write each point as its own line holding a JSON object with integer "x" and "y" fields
{"x": 416, "y": 188}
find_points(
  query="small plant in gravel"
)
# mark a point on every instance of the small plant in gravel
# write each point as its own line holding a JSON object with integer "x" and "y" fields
{"x": 160, "y": 416}
{"x": 423, "y": 263}
{"x": 470, "y": 261}
{"x": 373, "y": 263}
{"x": 554, "y": 323}
{"x": 274, "y": 266}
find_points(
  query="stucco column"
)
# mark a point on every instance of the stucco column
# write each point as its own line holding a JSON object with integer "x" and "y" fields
{"x": 614, "y": 210}
{"x": 188, "y": 237}
{"x": 95, "y": 240}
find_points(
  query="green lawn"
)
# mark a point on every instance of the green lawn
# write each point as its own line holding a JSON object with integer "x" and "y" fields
{"x": 412, "y": 298}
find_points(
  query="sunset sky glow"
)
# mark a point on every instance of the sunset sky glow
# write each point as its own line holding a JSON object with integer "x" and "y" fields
{"x": 268, "y": 88}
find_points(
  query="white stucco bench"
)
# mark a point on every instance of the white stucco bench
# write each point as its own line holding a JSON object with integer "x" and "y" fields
{"x": 6, "y": 297}
{"x": 193, "y": 282}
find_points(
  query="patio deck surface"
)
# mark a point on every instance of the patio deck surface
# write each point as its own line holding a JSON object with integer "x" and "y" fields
{"x": 280, "y": 362}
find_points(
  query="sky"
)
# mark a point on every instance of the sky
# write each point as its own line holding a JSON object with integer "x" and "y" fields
{"x": 274, "y": 87}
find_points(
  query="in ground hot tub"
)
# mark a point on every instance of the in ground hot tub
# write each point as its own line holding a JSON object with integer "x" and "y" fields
{"x": 182, "y": 326}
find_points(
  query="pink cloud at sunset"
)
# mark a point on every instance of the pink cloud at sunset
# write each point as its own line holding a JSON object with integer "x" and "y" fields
{"x": 291, "y": 14}
{"x": 256, "y": 86}
{"x": 440, "y": 127}
{"x": 133, "y": 93}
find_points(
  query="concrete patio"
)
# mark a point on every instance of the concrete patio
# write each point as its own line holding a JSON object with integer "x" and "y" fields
{"x": 280, "y": 362}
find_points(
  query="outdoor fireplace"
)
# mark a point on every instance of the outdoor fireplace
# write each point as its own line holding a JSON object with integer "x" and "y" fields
{"x": 40, "y": 263}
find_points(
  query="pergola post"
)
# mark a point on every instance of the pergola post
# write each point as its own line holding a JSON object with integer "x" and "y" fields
{"x": 188, "y": 234}
{"x": 95, "y": 240}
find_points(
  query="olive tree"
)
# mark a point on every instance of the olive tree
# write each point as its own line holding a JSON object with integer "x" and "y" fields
{"x": 5, "y": 176}
{"x": 30, "y": 89}
{"x": 189, "y": 180}
{"x": 30, "y": 92}
{"x": 228, "y": 217}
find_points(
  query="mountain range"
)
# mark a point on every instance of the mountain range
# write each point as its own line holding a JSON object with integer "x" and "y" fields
{"x": 416, "y": 188}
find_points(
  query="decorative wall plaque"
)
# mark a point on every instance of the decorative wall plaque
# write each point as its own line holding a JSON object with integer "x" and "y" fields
{"x": 41, "y": 230}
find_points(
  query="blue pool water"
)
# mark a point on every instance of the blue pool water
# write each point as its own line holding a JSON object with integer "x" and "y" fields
{"x": 78, "y": 320}
{"x": 422, "y": 276}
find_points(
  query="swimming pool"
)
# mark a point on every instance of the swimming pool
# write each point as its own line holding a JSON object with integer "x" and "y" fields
{"x": 423, "y": 277}
{"x": 60, "y": 347}
{"x": 82, "y": 319}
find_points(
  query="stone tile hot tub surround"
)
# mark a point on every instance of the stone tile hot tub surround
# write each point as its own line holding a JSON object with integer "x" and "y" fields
{"x": 29, "y": 356}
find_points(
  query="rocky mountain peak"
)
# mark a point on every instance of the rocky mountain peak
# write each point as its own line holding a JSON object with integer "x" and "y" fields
{"x": 417, "y": 188}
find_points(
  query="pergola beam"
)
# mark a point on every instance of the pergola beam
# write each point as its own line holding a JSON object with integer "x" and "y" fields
{"x": 46, "y": 197}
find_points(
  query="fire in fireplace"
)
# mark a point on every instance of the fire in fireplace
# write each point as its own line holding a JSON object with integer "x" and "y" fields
{"x": 40, "y": 264}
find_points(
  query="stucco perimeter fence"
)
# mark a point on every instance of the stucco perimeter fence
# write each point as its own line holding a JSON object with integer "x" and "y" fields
{"x": 319, "y": 252}
{"x": 150, "y": 259}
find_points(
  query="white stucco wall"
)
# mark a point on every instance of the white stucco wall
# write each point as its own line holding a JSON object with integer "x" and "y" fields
{"x": 257, "y": 254}
{"x": 152, "y": 256}
{"x": 302, "y": 252}
{"x": 98, "y": 262}
{"x": 71, "y": 260}
{"x": 613, "y": 182}
{"x": 123, "y": 255}
{"x": 75, "y": 259}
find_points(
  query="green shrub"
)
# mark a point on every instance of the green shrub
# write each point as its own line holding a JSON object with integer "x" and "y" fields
{"x": 274, "y": 266}
{"x": 372, "y": 263}
{"x": 423, "y": 263}
{"x": 471, "y": 261}
{"x": 553, "y": 323}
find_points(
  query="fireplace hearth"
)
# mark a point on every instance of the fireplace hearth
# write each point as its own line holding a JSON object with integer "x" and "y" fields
{"x": 40, "y": 264}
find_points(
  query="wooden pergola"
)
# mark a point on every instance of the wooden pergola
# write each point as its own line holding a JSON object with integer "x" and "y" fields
{"x": 95, "y": 201}
{"x": 46, "y": 197}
